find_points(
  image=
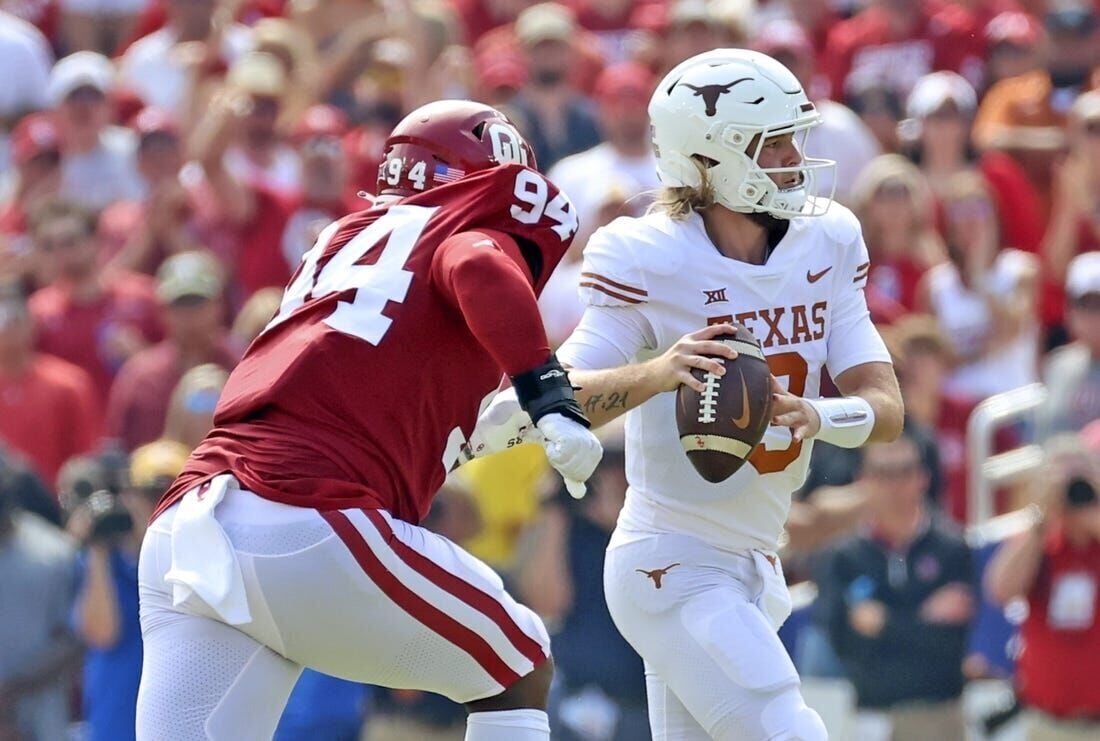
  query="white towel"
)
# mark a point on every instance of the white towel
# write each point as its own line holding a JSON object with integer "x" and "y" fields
{"x": 774, "y": 599}
{"x": 203, "y": 560}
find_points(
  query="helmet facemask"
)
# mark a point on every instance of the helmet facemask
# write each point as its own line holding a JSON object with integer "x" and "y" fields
{"x": 741, "y": 184}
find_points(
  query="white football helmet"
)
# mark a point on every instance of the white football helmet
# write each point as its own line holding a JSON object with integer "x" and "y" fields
{"x": 709, "y": 108}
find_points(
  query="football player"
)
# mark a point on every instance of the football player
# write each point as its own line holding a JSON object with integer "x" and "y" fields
{"x": 291, "y": 538}
{"x": 738, "y": 233}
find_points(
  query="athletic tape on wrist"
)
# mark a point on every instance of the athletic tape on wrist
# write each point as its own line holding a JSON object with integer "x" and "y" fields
{"x": 845, "y": 422}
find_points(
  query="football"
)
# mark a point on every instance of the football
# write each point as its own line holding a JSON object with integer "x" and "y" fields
{"x": 720, "y": 426}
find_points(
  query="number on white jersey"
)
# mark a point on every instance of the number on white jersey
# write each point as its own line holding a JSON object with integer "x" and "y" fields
{"x": 375, "y": 285}
{"x": 532, "y": 189}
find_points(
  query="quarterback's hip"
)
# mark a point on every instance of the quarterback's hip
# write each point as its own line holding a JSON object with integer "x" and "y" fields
{"x": 658, "y": 572}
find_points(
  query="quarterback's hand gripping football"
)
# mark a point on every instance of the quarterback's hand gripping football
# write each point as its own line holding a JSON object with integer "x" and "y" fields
{"x": 547, "y": 396}
{"x": 696, "y": 350}
{"x": 794, "y": 412}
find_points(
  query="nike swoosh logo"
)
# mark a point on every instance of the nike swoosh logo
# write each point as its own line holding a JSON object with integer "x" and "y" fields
{"x": 742, "y": 421}
{"x": 815, "y": 277}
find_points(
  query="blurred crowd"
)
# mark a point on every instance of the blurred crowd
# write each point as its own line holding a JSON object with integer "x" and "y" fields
{"x": 164, "y": 164}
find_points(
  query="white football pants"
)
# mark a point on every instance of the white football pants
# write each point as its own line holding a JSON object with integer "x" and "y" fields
{"x": 715, "y": 668}
{"x": 352, "y": 593}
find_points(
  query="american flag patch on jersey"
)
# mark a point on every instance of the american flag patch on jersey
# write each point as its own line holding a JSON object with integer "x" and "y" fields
{"x": 444, "y": 174}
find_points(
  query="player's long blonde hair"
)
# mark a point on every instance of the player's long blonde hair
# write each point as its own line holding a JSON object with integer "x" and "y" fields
{"x": 681, "y": 202}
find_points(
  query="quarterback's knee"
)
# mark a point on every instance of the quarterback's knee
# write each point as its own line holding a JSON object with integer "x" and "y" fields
{"x": 780, "y": 715}
{"x": 531, "y": 691}
{"x": 799, "y": 723}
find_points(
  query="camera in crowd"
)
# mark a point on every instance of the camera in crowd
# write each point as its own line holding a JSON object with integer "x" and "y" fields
{"x": 105, "y": 494}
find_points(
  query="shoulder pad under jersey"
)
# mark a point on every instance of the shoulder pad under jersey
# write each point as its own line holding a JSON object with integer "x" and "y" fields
{"x": 512, "y": 199}
{"x": 610, "y": 274}
{"x": 839, "y": 224}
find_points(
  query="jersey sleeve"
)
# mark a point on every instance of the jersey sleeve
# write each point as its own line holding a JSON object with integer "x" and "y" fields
{"x": 853, "y": 338}
{"x": 482, "y": 274}
{"x": 606, "y": 337}
{"x": 610, "y": 276}
{"x": 614, "y": 327}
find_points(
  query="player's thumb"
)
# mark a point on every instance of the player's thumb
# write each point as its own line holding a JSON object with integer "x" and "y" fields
{"x": 576, "y": 489}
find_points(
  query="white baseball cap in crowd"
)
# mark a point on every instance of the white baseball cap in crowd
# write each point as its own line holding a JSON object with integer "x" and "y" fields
{"x": 938, "y": 88}
{"x": 1083, "y": 275}
{"x": 79, "y": 69}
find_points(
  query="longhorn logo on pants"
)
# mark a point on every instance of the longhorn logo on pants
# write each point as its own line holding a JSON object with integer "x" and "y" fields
{"x": 657, "y": 574}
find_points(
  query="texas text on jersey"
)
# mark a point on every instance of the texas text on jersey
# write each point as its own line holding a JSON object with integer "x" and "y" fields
{"x": 363, "y": 388}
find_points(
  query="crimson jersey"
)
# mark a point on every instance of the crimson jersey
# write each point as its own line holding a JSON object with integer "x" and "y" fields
{"x": 362, "y": 389}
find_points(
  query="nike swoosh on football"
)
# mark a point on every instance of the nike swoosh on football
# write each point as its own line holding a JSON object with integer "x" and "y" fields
{"x": 742, "y": 421}
{"x": 815, "y": 277}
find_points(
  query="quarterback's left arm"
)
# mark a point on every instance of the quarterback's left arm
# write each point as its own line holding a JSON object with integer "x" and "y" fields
{"x": 871, "y": 409}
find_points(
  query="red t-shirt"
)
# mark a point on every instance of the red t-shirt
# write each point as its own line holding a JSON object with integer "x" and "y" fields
{"x": 896, "y": 280}
{"x": 1056, "y": 672}
{"x": 865, "y": 49}
{"x": 396, "y": 327}
{"x": 49, "y": 413}
{"x": 260, "y": 262}
{"x": 92, "y": 335}
{"x": 140, "y": 395}
{"x": 954, "y": 461}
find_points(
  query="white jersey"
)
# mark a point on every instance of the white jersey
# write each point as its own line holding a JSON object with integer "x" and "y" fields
{"x": 965, "y": 316}
{"x": 649, "y": 281}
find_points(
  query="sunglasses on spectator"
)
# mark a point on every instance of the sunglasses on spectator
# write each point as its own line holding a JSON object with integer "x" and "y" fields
{"x": 1089, "y": 302}
{"x": 1092, "y": 128}
{"x": 895, "y": 471}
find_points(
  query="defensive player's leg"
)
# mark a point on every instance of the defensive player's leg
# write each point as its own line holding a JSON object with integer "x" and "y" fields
{"x": 384, "y": 602}
{"x": 712, "y": 648}
{"x": 202, "y": 679}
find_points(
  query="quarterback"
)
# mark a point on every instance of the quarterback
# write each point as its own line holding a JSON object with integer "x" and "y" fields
{"x": 736, "y": 234}
{"x": 291, "y": 537}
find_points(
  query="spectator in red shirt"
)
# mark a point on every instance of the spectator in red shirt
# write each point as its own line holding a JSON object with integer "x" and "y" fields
{"x": 941, "y": 109}
{"x": 894, "y": 204}
{"x": 36, "y": 154}
{"x": 325, "y": 195}
{"x": 48, "y": 408}
{"x": 90, "y": 318}
{"x": 190, "y": 286}
{"x": 924, "y": 358}
{"x": 897, "y": 41}
{"x": 173, "y": 216}
{"x": 1055, "y": 567}
{"x": 1012, "y": 45}
{"x": 255, "y": 214}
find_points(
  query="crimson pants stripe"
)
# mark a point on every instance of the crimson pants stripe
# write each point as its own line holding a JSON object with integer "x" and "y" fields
{"x": 459, "y": 588}
{"x": 412, "y": 603}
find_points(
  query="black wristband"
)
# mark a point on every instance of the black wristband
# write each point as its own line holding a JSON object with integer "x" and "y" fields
{"x": 545, "y": 389}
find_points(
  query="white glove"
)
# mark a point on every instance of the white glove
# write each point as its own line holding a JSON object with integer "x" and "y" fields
{"x": 501, "y": 426}
{"x": 572, "y": 450}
